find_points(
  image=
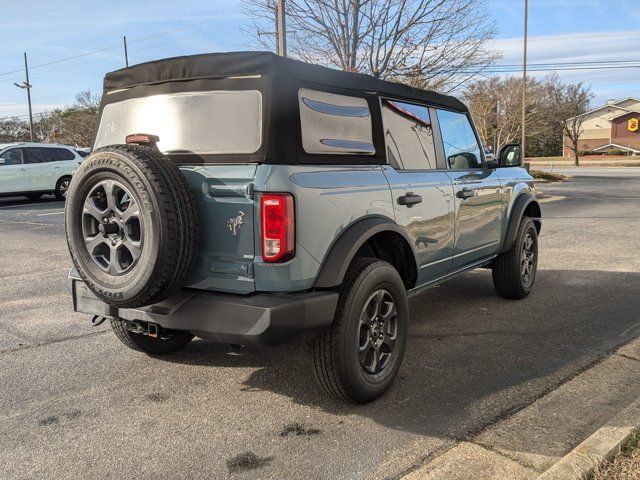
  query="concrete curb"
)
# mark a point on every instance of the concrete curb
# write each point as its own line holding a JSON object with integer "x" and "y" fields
{"x": 602, "y": 445}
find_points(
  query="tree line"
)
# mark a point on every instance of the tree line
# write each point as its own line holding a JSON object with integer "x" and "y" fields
{"x": 73, "y": 125}
{"x": 496, "y": 105}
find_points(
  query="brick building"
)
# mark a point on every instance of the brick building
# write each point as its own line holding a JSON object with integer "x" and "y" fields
{"x": 614, "y": 126}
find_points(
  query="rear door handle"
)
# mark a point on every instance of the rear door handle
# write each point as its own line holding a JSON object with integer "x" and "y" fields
{"x": 465, "y": 193}
{"x": 409, "y": 199}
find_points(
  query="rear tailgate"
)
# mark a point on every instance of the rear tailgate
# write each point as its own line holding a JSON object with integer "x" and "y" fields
{"x": 223, "y": 194}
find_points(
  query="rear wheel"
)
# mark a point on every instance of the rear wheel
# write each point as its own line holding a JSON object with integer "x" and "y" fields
{"x": 169, "y": 341}
{"x": 358, "y": 358}
{"x": 514, "y": 272}
{"x": 62, "y": 187}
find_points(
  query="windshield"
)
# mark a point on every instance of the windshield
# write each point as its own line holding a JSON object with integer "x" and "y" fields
{"x": 217, "y": 122}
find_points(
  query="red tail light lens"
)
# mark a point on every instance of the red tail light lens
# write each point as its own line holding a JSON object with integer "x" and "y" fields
{"x": 278, "y": 227}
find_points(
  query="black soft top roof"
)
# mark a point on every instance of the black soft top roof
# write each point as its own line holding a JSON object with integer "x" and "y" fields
{"x": 224, "y": 65}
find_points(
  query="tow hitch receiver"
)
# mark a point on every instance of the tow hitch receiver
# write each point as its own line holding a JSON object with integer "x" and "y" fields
{"x": 145, "y": 328}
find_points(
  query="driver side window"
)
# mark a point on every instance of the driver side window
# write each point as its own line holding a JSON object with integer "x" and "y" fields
{"x": 461, "y": 147}
{"x": 12, "y": 157}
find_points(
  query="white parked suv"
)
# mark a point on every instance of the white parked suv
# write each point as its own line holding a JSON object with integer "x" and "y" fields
{"x": 33, "y": 169}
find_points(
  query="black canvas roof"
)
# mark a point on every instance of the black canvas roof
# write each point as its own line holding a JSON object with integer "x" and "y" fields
{"x": 224, "y": 65}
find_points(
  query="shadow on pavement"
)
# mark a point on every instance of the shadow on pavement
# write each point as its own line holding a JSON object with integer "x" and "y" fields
{"x": 472, "y": 357}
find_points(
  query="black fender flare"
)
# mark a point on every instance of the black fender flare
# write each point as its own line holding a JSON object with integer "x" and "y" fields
{"x": 345, "y": 247}
{"x": 523, "y": 201}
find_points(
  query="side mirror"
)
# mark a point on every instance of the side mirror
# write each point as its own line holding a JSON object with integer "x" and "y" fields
{"x": 491, "y": 164}
{"x": 509, "y": 155}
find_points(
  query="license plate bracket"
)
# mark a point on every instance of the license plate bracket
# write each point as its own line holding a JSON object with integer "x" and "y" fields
{"x": 86, "y": 302}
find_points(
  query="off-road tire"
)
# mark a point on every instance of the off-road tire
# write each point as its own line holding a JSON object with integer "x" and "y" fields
{"x": 507, "y": 268}
{"x": 150, "y": 345}
{"x": 171, "y": 227}
{"x": 33, "y": 196}
{"x": 59, "y": 191}
{"x": 335, "y": 351}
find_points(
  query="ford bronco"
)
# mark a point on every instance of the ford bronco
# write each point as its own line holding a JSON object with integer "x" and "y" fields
{"x": 249, "y": 198}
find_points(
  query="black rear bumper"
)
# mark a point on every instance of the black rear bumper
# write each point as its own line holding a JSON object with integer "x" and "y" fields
{"x": 259, "y": 319}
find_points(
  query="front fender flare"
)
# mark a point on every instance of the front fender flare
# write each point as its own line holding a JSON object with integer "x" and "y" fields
{"x": 523, "y": 201}
{"x": 344, "y": 249}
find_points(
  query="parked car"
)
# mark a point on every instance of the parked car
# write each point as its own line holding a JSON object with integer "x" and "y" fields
{"x": 83, "y": 152}
{"x": 33, "y": 169}
{"x": 248, "y": 198}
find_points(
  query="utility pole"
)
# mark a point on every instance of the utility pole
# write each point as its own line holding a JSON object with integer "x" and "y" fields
{"x": 27, "y": 86}
{"x": 524, "y": 83}
{"x": 126, "y": 54}
{"x": 282, "y": 29}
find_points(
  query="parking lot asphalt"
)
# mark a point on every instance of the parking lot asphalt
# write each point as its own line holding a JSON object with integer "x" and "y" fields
{"x": 75, "y": 403}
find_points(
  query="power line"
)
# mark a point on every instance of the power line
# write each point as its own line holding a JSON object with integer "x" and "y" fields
{"x": 111, "y": 47}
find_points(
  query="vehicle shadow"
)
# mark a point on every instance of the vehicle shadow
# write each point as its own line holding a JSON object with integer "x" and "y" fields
{"x": 472, "y": 357}
{"x": 17, "y": 201}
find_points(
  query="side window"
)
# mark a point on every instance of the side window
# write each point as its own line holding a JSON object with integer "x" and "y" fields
{"x": 61, "y": 154}
{"x": 408, "y": 135}
{"x": 38, "y": 155}
{"x": 12, "y": 157}
{"x": 335, "y": 124}
{"x": 461, "y": 147}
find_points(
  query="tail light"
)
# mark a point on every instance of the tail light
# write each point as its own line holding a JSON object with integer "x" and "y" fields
{"x": 278, "y": 227}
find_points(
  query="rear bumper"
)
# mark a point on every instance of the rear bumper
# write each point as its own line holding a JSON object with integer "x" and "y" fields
{"x": 259, "y": 319}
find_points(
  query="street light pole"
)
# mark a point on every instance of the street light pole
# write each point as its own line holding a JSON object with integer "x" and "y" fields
{"x": 27, "y": 86}
{"x": 524, "y": 82}
{"x": 282, "y": 29}
{"x": 126, "y": 53}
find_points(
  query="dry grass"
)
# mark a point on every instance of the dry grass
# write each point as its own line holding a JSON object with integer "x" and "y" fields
{"x": 552, "y": 177}
{"x": 625, "y": 466}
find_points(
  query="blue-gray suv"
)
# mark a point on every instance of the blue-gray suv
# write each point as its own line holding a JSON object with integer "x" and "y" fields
{"x": 248, "y": 198}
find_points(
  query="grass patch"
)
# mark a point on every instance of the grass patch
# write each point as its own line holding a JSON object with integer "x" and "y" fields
{"x": 625, "y": 465}
{"x": 551, "y": 177}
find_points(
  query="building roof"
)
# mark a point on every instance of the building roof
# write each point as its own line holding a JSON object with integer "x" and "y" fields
{"x": 609, "y": 105}
{"x": 626, "y": 113}
{"x": 610, "y": 145}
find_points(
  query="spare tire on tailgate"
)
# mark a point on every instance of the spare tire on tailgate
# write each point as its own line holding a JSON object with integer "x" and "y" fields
{"x": 132, "y": 225}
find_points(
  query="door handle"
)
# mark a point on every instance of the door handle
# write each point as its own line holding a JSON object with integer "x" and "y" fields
{"x": 409, "y": 199}
{"x": 465, "y": 193}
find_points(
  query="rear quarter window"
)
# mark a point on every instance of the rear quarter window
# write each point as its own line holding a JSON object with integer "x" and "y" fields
{"x": 335, "y": 124}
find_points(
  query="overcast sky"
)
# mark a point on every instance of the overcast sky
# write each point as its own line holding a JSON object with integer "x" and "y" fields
{"x": 560, "y": 31}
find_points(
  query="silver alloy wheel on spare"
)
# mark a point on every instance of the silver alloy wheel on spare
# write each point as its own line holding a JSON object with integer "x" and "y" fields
{"x": 112, "y": 227}
{"x": 378, "y": 331}
{"x": 527, "y": 259}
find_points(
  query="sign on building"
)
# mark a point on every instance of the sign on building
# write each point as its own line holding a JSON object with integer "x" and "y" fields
{"x": 632, "y": 124}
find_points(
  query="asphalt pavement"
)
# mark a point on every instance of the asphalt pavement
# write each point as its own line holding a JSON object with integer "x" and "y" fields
{"x": 75, "y": 403}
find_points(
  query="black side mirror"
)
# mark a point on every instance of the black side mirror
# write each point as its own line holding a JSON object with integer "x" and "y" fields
{"x": 491, "y": 164}
{"x": 509, "y": 155}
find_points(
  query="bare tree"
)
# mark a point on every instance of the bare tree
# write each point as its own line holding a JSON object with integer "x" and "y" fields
{"x": 573, "y": 101}
{"x": 13, "y": 130}
{"x": 495, "y": 106}
{"x": 426, "y": 43}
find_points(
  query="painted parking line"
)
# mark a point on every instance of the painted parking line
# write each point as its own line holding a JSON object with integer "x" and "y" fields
{"x": 51, "y": 213}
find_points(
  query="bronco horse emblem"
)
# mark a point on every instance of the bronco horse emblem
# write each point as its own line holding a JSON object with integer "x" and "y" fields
{"x": 234, "y": 224}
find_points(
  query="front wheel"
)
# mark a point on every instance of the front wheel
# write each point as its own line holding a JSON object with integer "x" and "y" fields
{"x": 169, "y": 342}
{"x": 514, "y": 272}
{"x": 358, "y": 358}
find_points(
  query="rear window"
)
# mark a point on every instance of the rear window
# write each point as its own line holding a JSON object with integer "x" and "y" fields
{"x": 217, "y": 122}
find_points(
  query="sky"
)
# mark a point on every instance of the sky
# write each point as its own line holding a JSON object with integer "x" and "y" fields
{"x": 92, "y": 31}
